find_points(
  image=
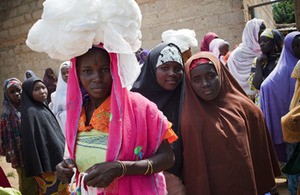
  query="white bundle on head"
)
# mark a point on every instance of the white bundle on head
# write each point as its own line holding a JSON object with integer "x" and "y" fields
{"x": 69, "y": 28}
{"x": 183, "y": 38}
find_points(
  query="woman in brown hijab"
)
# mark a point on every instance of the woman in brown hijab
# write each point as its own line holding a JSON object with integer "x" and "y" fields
{"x": 226, "y": 145}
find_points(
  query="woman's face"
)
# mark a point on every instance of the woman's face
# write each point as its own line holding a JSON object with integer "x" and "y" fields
{"x": 28, "y": 75}
{"x": 39, "y": 92}
{"x": 14, "y": 93}
{"x": 266, "y": 44}
{"x": 65, "y": 74}
{"x": 144, "y": 56}
{"x": 94, "y": 73}
{"x": 137, "y": 55}
{"x": 49, "y": 72}
{"x": 205, "y": 82}
{"x": 296, "y": 46}
{"x": 169, "y": 75}
{"x": 223, "y": 49}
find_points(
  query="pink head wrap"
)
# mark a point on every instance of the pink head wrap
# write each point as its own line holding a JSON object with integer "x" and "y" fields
{"x": 206, "y": 41}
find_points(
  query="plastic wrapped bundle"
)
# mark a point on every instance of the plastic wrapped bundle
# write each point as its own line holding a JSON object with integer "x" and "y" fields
{"x": 69, "y": 28}
{"x": 183, "y": 38}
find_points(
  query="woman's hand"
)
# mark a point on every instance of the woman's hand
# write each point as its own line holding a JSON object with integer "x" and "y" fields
{"x": 52, "y": 76}
{"x": 102, "y": 174}
{"x": 64, "y": 170}
{"x": 258, "y": 77}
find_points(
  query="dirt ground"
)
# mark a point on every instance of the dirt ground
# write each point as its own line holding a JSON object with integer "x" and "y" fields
{"x": 13, "y": 178}
{"x": 11, "y": 173}
{"x": 282, "y": 187}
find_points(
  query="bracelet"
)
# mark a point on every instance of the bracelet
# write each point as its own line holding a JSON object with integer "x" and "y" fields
{"x": 147, "y": 167}
{"x": 151, "y": 167}
{"x": 124, "y": 168}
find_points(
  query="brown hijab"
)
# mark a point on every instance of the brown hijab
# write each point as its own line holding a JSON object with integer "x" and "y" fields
{"x": 226, "y": 144}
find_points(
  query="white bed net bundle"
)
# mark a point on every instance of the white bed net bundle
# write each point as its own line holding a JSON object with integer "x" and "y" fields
{"x": 69, "y": 28}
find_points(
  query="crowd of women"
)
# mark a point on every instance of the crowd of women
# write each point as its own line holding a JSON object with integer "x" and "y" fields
{"x": 216, "y": 122}
{"x": 34, "y": 151}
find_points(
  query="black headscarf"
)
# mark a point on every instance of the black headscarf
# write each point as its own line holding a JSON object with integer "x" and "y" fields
{"x": 169, "y": 102}
{"x": 42, "y": 140}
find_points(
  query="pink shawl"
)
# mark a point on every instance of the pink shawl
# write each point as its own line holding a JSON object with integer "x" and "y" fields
{"x": 135, "y": 122}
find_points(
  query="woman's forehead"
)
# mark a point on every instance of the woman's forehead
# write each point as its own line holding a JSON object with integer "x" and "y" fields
{"x": 93, "y": 53}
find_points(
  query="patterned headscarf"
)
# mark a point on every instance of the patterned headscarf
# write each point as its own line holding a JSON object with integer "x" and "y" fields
{"x": 169, "y": 54}
{"x": 267, "y": 33}
{"x": 65, "y": 65}
{"x": 199, "y": 61}
{"x": 10, "y": 127}
{"x": 276, "y": 36}
{"x": 10, "y": 82}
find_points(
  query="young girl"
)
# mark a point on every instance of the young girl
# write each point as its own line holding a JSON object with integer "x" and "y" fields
{"x": 11, "y": 134}
{"x": 43, "y": 140}
{"x": 59, "y": 104}
{"x": 271, "y": 45}
{"x": 226, "y": 144}
{"x": 161, "y": 81}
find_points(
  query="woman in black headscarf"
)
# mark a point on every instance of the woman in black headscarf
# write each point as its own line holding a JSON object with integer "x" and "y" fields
{"x": 162, "y": 81}
{"x": 43, "y": 140}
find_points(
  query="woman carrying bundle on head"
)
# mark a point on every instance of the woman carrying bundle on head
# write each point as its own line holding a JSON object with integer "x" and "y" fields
{"x": 130, "y": 136}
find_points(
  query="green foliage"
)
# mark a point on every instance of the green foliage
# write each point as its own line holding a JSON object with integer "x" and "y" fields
{"x": 283, "y": 12}
{"x": 10, "y": 174}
